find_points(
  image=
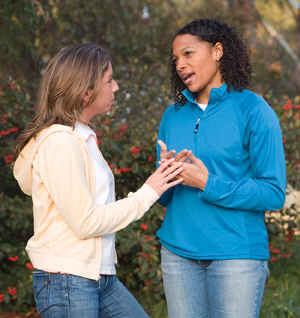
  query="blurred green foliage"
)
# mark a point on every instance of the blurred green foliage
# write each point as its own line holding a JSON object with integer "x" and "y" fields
{"x": 282, "y": 293}
{"x": 138, "y": 35}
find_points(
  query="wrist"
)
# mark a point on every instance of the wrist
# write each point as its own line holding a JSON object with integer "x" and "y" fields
{"x": 203, "y": 183}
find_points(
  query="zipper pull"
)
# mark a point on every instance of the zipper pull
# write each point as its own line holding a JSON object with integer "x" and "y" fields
{"x": 197, "y": 125}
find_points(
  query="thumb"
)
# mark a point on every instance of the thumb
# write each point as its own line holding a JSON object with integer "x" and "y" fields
{"x": 192, "y": 157}
{"x": 163, "y": 147}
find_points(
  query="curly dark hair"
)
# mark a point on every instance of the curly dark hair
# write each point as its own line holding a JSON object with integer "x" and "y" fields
{"x": 235, "y": 66}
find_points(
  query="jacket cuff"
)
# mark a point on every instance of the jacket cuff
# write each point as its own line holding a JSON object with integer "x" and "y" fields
{"x": 146, "y": 196}
{"x": 205, "y": 193}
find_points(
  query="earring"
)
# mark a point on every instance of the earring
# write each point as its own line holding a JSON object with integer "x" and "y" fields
{"x": 218, "y": 60}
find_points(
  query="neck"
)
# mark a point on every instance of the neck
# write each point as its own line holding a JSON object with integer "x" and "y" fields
{"x": 86, "y": 116}
{"x": 202, "y": 97}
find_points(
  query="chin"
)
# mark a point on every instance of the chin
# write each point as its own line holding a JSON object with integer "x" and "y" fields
{"x": 195, "y": 90}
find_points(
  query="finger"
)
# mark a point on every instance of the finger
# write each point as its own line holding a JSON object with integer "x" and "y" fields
{"x": 170, "y": 154}
{"x": 198, "y": 163}
{"x": 162, "y": 161}
{"x": 175, "y": 174}
{"x": 163, "y": 147}
{"x": 174, "y": 183}
{"x": 178, "y": 176}
{"x": 164, "y": 152}
{"x": 172, "y": 168}
{"x": 181, "y": 156}
{"x": 165, "y": 165}
{"x": 192, "y": 157}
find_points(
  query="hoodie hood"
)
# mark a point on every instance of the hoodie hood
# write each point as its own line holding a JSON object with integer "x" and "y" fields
{"x": 23, "y": 165}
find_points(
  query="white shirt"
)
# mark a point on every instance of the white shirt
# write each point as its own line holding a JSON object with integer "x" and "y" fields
{"x": 202, "y": 106}
{"x": 104, "y": 194}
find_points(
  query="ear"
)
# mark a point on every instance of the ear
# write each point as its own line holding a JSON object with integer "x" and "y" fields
{"x": 218, "y": 51}
{"x": 87, "y": 96}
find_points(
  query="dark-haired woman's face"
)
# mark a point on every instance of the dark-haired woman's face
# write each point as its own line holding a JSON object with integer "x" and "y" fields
{"x": 197, "y": 65}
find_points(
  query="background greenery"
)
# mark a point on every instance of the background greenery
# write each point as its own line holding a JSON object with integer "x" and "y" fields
{"x": 138, "y": 35}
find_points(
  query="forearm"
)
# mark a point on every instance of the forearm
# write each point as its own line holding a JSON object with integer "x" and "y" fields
{"x": 247, "y": 194}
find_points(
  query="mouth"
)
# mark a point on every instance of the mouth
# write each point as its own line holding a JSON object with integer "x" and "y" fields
{"x": 187, "y": 78}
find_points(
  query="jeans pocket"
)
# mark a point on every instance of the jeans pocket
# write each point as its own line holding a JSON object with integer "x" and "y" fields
{"x": 41, "y": 283}
{"x": 267, "y": 269}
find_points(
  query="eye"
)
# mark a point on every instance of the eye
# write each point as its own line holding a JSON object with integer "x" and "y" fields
{"x": 174, "y": 61}
{"x": 188, "y": 53}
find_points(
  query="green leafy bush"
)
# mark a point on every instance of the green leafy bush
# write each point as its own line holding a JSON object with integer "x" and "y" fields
{"x": 288, "y": 111}
{"x": 16, "y": 226}
{"x": 16, "y": 110}
{"x": 282, "y": 293}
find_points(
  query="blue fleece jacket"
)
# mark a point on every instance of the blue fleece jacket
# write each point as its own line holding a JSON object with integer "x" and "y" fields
{"x": 239, "y": 140}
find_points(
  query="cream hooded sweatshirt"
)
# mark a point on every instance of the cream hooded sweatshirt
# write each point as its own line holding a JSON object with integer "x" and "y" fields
{"x": 56, "y": 170}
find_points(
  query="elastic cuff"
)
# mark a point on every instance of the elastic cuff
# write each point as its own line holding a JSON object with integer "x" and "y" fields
{"x": 145, "y": 195}
{"x": 204, "y": 193}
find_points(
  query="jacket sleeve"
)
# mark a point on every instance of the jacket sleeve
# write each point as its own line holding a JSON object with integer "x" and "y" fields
{"x": 266, "y": 190}
{"x": 62, "y": 170}
{"x": 166, "y": 196}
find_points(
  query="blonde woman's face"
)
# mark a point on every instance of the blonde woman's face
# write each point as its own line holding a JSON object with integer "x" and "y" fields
{"x": 105, "y": 98}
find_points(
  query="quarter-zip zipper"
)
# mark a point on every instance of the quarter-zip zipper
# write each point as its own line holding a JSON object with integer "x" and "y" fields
{"x": 198, "y": 117}
{"x": 197, "y": 125}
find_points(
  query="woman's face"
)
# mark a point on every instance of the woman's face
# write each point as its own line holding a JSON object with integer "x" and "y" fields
{"x": 105, "y": 98}
{"x": 196, "y": 63}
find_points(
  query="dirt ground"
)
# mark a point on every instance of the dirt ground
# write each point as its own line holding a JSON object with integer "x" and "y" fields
{"x": 31, "y": 314}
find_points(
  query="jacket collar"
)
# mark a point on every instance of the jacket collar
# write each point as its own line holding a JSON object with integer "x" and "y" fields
{"x": 216, "y": 95}
{"x": 85, "y": 131}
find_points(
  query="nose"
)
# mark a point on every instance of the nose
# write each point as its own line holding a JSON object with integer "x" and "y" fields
{"x": 115, "y": 87}
{"x": 181, "y": 64}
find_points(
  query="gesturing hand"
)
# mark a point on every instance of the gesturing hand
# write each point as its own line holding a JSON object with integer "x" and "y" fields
{"x": 163, "y": 178}
{"x": 194, "y": 173}
{"x": 164, "y": 154}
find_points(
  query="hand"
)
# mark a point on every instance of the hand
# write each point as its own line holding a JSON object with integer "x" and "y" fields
{"x": 162, "y": 179}
{"x": 164, "y": 154}
{"x": 194, "y": 173}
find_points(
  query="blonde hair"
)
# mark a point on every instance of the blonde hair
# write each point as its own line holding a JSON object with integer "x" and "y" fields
{"x": 68, "y": 76}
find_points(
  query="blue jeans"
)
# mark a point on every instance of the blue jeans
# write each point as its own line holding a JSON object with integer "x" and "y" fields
{"x": 213, "y": 289}
{"x": 70, "y": 296}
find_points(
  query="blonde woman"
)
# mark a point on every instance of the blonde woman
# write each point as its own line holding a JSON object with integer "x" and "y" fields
{"x": 58, "y": 163}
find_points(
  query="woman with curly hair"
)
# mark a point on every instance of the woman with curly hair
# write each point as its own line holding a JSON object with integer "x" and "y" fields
{"x": 214, "y": 240}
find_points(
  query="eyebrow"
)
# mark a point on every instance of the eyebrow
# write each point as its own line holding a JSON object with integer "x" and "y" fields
{"x": 188, "y": 46}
